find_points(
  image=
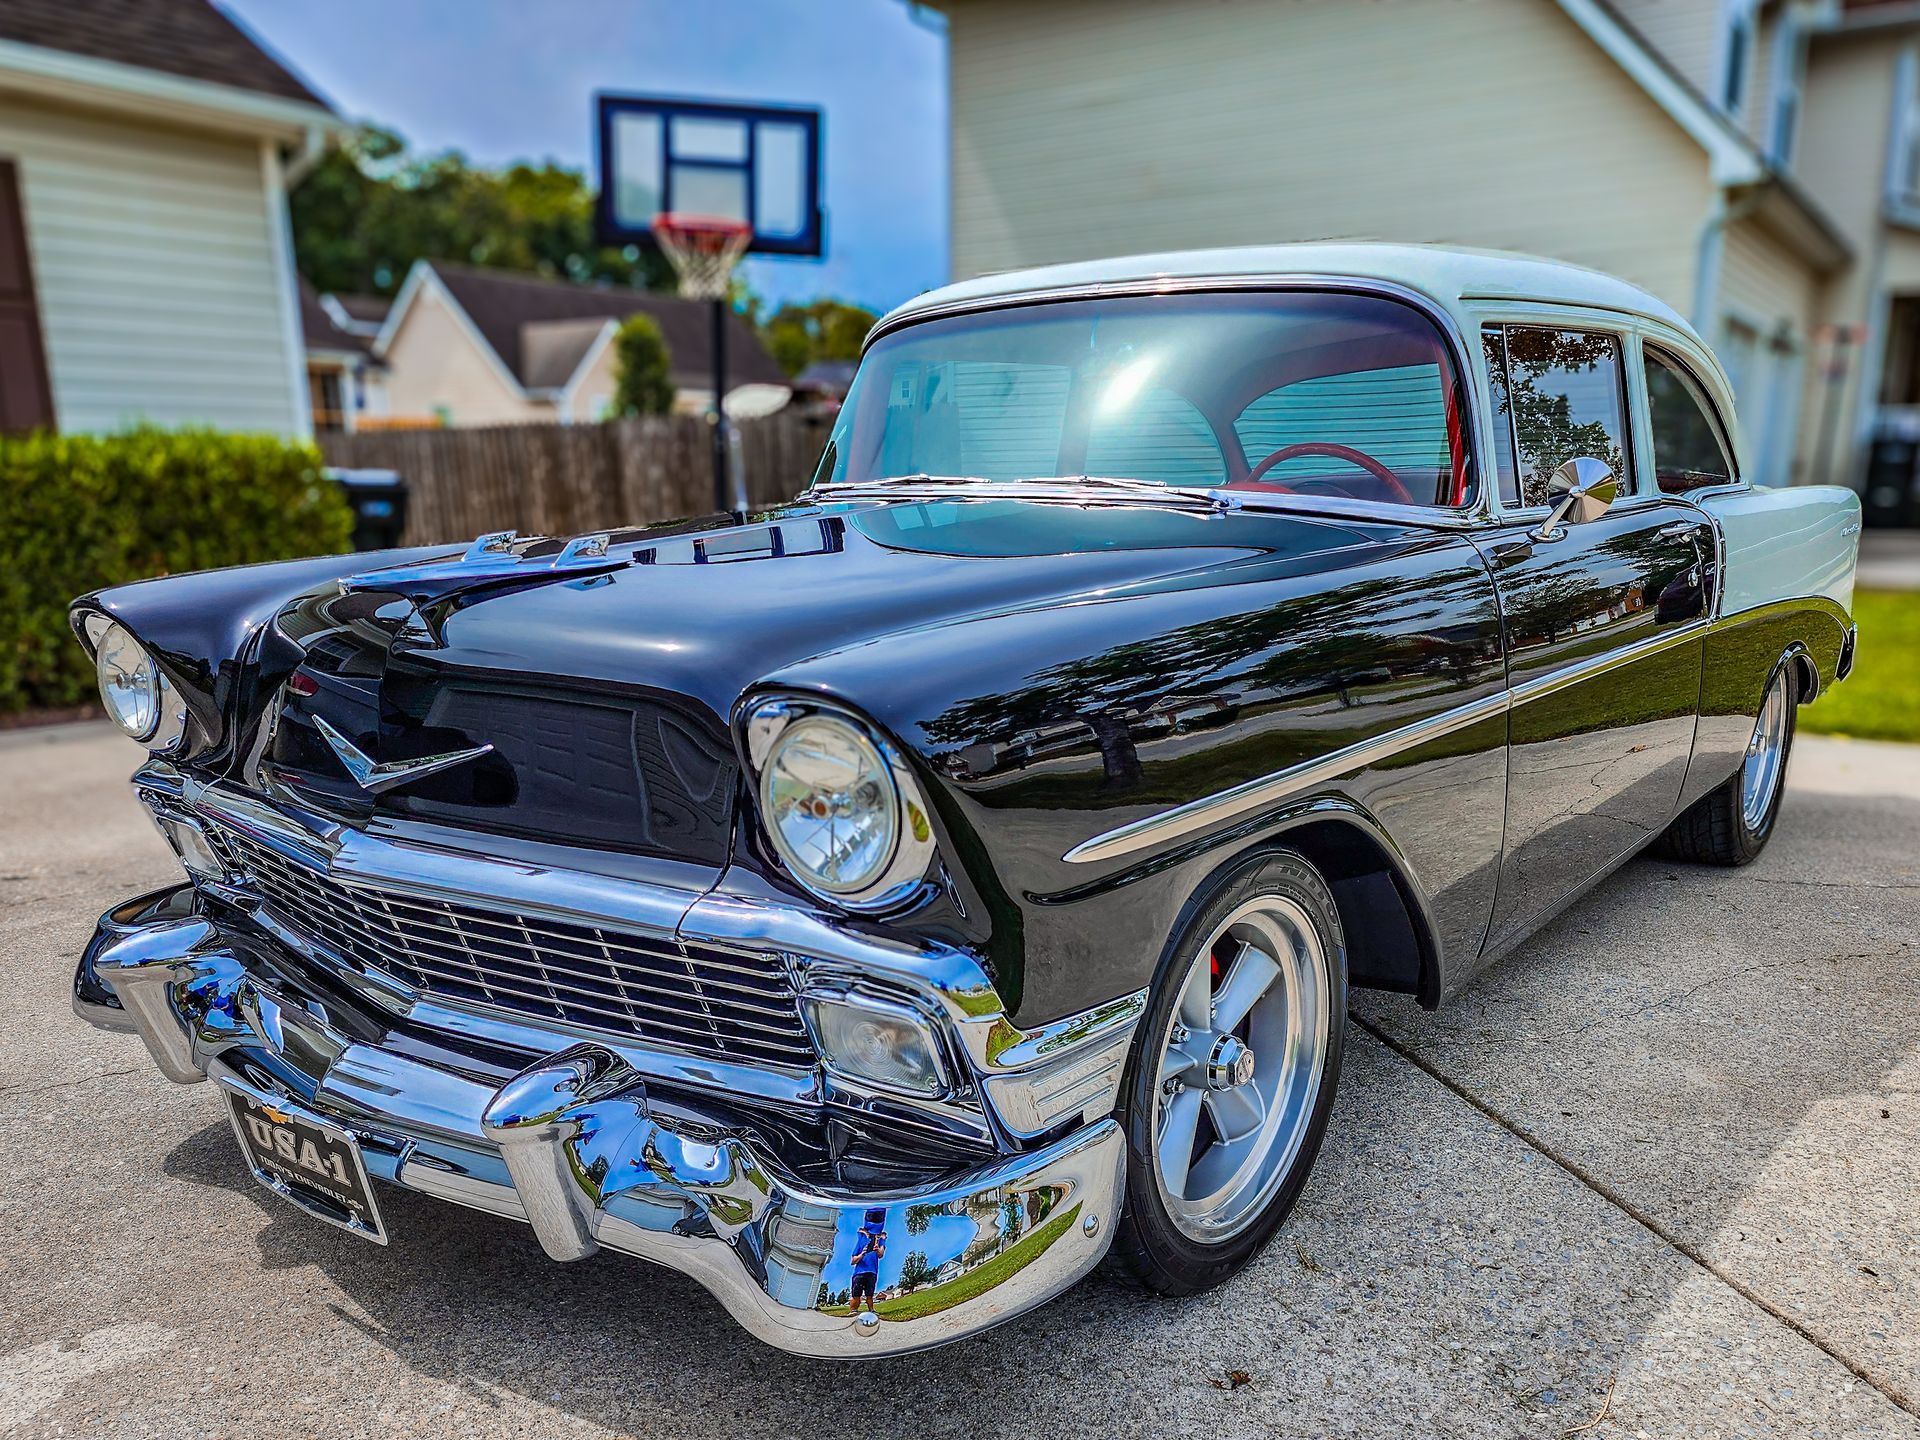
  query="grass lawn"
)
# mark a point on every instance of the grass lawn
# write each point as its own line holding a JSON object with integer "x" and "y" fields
{"x": 1881, "y": 699}
{"x": 973, "y": 1282}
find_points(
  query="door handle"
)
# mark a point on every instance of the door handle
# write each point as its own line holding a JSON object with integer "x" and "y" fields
{"x": 1677, "y": 529}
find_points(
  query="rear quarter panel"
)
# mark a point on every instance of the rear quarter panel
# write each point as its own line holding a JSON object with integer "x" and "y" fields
{"x": 1787, "y": 571}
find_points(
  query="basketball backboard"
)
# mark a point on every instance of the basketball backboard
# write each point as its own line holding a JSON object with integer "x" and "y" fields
{"x": 758, "y": 164}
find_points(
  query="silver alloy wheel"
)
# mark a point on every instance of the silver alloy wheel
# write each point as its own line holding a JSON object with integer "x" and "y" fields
{"x": 1241, "y": 1062}
{"x": 1766, "y": 754}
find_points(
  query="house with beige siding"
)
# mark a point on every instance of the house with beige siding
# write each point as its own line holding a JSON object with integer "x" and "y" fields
{"x": 1752, "y": 162}
{"x": 468, "y": 346}
{"x": 146, "y": 265}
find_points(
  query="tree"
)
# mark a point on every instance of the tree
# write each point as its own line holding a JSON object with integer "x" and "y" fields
{"x": 798, "y": 335}
{"x": 915, "y": 1272}
{"x": 368, "y": 209}
{"x": 642, "y": 368}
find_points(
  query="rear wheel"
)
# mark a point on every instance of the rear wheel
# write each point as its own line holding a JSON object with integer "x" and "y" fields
{"x": 1233, "y": 1076}
{"x": 1731, "y": 825}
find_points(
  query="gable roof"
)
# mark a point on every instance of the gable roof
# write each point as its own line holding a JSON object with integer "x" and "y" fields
{"x": 551, "y": 350}
{"x": 535, "y": 326}
{"x": 320, "y": 331}
{"x": 185, "y": 38}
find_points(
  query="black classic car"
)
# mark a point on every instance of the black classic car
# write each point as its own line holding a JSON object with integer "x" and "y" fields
{"x": 887, "y": 907}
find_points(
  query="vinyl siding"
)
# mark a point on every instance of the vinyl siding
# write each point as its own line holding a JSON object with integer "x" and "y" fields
{"x": 1772, "y": 299}
{"x": 1847, "y": 111}
{"x": 1688, "y": 33}
{"x": 1484, "y": 122}
{"x": 1765, "y": 280}
{"x": 154, "y": 260}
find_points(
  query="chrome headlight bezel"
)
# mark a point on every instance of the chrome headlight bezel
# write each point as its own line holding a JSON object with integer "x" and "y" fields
{"x": 904, "y": 872}
{"x": 169, "y": 713}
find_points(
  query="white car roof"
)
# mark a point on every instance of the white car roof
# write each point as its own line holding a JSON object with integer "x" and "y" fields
{"x": 1449, "y": 276}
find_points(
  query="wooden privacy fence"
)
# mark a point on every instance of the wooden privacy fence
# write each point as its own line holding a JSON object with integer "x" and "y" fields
{"x": 574, "y": 479}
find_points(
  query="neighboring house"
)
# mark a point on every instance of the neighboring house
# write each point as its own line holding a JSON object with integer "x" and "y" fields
{"x": 344, "y": 380}
{"x": 1753, "y": 162}
{"x": 361, "y": 315}
{"x": 491, "y": 347}
{"x": 146, "y": 271}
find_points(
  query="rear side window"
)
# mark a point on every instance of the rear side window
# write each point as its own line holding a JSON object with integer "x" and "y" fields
{"x": 1689, "y": 452}
{"x": 1560, "y": 395}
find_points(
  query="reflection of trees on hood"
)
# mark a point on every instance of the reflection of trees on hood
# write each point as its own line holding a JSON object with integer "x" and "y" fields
{"x": 1543, "y": 423}
{"x": 1320, "y": 640}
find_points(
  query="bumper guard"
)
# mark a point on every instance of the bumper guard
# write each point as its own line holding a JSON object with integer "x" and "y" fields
{"x": 573, "y": 1147}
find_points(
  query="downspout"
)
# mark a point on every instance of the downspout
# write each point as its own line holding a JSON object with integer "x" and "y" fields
{"x": 313, "y": 144}
{"x": 1710, "y": 247}
{"x": 1706, "y": 263}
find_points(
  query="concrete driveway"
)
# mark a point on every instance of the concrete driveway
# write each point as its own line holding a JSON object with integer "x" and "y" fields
{"x": 1659, "y": 1168}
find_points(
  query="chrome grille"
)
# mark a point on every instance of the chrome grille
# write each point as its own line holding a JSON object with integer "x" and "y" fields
{"x": 738, "y": 1005}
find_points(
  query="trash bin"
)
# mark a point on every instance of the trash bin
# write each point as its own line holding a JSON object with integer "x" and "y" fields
{"x": 379, "y": 501}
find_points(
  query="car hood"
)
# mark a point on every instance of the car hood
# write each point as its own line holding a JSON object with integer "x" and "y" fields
{"x": 708, "y": 613}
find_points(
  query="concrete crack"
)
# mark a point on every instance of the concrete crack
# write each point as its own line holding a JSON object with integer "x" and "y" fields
{"x": 1881, "y": 1383}
{"x": 9, "y": 1092}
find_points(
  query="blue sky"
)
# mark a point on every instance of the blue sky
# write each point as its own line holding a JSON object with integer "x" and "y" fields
{"x": 504, "y": 81}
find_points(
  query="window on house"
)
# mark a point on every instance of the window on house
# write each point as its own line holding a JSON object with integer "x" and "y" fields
{"x": 1561, "y": 396}
{"x": 1689, "y": 451}
{"x": 1903, "y": 169}
{"x": 323, "y": 392}
{"x": 1789, "y": 68}
{"x": 1739, "y": 55}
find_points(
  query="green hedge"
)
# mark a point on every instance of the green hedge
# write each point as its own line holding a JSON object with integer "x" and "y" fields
{"x": 79, "y": 512}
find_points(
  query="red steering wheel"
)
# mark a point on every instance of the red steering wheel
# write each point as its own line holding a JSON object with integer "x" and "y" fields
{"x": 1332, "y": 452}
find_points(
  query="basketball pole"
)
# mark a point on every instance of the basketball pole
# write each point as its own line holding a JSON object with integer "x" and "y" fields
{"x": 722, "y": 455}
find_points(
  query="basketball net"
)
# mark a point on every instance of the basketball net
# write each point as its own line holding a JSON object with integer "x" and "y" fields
{"x": 704, "y": 249}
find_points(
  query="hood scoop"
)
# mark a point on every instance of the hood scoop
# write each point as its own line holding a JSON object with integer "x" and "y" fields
{"x": 500, "y": 558}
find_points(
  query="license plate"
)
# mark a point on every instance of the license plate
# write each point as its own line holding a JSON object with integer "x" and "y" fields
{"x": 302, "y": 1158}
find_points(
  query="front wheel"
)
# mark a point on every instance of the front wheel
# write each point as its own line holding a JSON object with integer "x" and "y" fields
{"x": 1233, "y": 1076}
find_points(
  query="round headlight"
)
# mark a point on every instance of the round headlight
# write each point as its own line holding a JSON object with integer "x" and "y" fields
{"x": 129, "y": 682}
{"x": 830, "y": 804}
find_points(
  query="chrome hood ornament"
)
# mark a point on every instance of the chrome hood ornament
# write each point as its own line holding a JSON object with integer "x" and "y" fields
{"x": 374, "y": 777}
{"x": 499, "y": 558}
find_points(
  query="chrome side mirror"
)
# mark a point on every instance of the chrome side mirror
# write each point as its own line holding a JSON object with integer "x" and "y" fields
{"x": 1582, "y": 489}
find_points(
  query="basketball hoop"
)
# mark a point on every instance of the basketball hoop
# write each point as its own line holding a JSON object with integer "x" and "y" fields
{"x": 703, "y": 249}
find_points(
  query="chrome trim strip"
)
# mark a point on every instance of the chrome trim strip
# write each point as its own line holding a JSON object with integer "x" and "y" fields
{"x": 574, "y": 1146}
{"x": 1599, "y": 664}
{"x": 1000, "y": 1058}
{"x": 1268, "y": 790}
{"x": 1197, "y": 815}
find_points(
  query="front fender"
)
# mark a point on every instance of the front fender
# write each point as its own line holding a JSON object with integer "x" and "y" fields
{"x": 200, "y": 626}
{"x": 1040, "y": 730}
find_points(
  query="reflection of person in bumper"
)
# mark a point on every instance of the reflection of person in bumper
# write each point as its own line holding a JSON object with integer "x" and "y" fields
{"x": 867, "y": 1250}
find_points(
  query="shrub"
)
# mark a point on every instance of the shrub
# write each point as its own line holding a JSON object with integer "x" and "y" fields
{"x": 642, "y": 368}
{"x": 79, "y": 512}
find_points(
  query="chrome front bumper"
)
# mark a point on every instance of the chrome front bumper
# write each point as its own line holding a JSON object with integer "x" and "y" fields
{"x": 574, "y": 1147}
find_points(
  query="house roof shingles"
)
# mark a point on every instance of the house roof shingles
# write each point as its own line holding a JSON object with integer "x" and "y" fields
{"x": 187, "y": 38}
{"x": 318, "y": 329}
{"x": 519, "y": 315}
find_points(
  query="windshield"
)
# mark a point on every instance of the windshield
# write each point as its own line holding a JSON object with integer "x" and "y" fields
{"x": 1306, "y": 393}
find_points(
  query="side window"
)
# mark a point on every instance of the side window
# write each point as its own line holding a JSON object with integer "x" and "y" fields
{"x": 1688, "y": 451}
{"x": 1396, "y": 415}
{"x": 1562, "y": 395}
{"x": 1158, "y": 436}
